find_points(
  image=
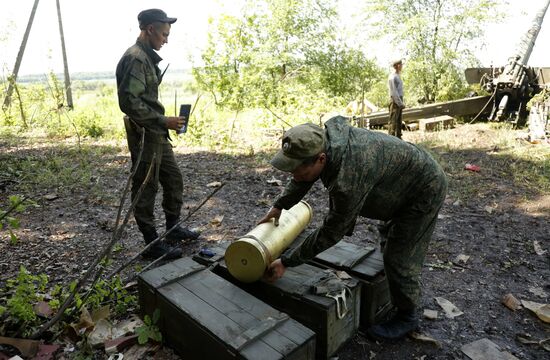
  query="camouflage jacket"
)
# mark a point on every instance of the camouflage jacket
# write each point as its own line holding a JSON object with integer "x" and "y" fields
{"x": 138, "y": 78}
{"x": 367, "y": 173}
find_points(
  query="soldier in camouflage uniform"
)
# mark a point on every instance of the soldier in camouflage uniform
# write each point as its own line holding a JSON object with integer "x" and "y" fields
{"x": 138, "y": 79}
{"x": 367, "y": 174}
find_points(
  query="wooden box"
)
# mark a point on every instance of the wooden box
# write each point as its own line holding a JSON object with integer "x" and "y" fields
{"x": 204, "y": 316}
{"x": 364, "y": 262}
{"x": 294, "y": 295}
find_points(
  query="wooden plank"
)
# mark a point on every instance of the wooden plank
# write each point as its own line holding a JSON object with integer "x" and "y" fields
{"x": 171, "y": 271}
{"x": 346, "y": 255}
{"x": 221, "y": 320}
{"x": 292, "y": 295}
{"x": 436, "y": 123}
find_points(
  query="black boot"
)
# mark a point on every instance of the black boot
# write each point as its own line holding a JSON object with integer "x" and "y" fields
{"x": 179, "y": 232}
{"x": 400, "y": 325}
{"x": 160, "y": 248}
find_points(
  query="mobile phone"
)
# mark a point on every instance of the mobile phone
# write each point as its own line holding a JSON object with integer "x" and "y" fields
{"x": 185, "y": 110}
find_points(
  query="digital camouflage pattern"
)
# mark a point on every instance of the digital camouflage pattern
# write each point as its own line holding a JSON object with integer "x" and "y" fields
{"x": 138, "y": 80}
{"x": 378, "y": 176}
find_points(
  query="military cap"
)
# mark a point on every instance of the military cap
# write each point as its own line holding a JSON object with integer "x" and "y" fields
{"x": 396, "y": 61}
{"x": 150, "y": 16}
{"x": 299, "y": 143}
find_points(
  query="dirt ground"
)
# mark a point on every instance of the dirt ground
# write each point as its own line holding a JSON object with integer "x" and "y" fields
{"x": 62, "y": 236}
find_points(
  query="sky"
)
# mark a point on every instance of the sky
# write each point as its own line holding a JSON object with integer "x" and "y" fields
{"x": 97, "y": 32}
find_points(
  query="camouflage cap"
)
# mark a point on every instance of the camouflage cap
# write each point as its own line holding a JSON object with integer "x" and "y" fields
{"x": 150, "y": 16}
{"x": 299, "y": 143}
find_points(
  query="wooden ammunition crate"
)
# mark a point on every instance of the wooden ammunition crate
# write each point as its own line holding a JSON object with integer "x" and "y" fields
{"x": 364, "y": 262}
{"x": 293, "y": 295}
{"x": 204, "y": 316}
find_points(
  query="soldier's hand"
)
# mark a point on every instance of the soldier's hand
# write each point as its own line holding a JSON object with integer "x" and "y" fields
{"x": 175, "y": 122}
{"x": 274, "y": 214}
{"x": 275, "y": 271}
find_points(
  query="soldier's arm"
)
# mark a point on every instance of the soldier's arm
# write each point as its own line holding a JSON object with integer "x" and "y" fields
{"x": 130, "y": 91}
{"x": 293, "y": 193}
{"x": 340, "y": 221}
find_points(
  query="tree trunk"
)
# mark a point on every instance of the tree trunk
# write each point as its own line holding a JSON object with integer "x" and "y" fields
{"x": 13, "y": 77}
{"x": 65, "y": 65}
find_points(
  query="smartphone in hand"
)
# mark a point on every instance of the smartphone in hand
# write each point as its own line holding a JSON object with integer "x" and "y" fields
{"x": 185, "y": 111}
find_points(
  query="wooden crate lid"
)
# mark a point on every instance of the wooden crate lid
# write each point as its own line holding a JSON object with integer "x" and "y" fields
{"x": 363, "y": 261}
{"x": 230, "y": 314}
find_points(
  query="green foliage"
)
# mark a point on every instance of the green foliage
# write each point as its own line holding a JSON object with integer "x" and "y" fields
{"x": 24, "y": 292}
{"x": 107, "y": 291}
{"x": 149, "y": 331}
{"x": 60, "y": 168}
{"x": 437, "y": 38}
{"x": 346, "y": 72}
{"x": 259, "y": 58}
{"x": 8, "y": 219}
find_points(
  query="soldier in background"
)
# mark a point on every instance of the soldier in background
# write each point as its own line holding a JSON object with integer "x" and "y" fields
{"x": 138, "y": 79}
{"x": 367, "y": 174}
{"x": 395, "y": 89}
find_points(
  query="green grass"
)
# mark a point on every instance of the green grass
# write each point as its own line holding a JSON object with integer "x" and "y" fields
{"x": 507, "y": 163}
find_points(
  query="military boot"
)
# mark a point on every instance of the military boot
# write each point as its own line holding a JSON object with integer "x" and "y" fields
{"x": 160, "y": 248}
{"x": 179, "y": 232}
{"x": 400, "y": 325}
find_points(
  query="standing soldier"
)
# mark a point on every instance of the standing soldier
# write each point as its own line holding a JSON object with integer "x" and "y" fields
{"x": 395, "y": 88}
{"x": 138, "y": 79}
{"x": 367, "y": 174}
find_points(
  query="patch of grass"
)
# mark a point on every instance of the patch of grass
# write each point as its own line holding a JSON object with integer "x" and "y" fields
{"x": 59, "y": 166}
{"x": 507, "y": 163}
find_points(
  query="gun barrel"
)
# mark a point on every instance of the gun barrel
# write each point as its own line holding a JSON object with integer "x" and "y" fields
{"x": 525, "y": 47}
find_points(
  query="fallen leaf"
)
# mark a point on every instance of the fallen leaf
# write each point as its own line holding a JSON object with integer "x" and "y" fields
{"x": 511, "y": 302}
{"x": 538, "y": 249}
{"x": 42, "y": 308}
{"x": 214, "y": 184}
{"x": 274, "y": 181}
{"x": 27, "y": 348}
{"x": 461, "y": 258}
{"x": 528, "y": 340}
{"x": 485, "y": 349}
{"x": 102, "y": 313}
{"x": 541, "y": 310}
{"x": 127, "y": 327}
{"x": 102, "y": 332}
{"x": 50, "y": 197}
{"x": 430, "y": 314}
{"x": 451, "y": 311}
{"x": 424, "y": 338}
{"x": 217, "y": 220}
{"x": 538, "y": 291}
{"x": 489, "y": 209}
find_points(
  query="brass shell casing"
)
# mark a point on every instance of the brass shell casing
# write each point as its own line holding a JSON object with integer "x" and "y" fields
{"x": 248, "y": 257}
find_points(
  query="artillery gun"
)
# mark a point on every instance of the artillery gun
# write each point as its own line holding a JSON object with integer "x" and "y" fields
{"x": 511, "y": 87}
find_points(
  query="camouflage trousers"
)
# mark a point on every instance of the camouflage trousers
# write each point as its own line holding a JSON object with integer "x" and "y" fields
{"x": 395, "y": 123}
{"x": 409, "y": 234}
{"x": 157, "y": 164}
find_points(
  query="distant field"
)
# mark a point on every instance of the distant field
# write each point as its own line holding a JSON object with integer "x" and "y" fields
{"x": 107, "y": 76}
